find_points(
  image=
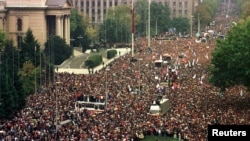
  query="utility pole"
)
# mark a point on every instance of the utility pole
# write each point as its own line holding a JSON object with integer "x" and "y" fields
{"x": 149, "y": 2}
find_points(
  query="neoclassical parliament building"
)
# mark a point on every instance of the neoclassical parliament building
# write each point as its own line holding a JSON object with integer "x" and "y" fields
{"x": 45, "y": 18}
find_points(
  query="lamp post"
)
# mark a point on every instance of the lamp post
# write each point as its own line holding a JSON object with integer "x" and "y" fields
{"x": 149, "y": 2}
{"x": 106, "y": 87}
{"x": 71, "y": 40}
{"x": 191, "y": 26}
{"x": 57, "y": 86}
{"x": 0, "y": 79}
{"x": 80, "y": 39}
{"x": 140, "y": 76}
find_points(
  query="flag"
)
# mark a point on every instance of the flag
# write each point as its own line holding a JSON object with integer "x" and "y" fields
{"x": 241, "y": 93}
{"x": 189, "y": 63}
{"x": 35, "y": 47}
{"x": 193, "y": 63}
{"x": 206, "y": 56}
{"x": 197, "y": 60}
{"x": 194, "y": 76}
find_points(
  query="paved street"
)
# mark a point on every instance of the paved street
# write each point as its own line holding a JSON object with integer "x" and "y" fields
{"x": 75, "y": 63}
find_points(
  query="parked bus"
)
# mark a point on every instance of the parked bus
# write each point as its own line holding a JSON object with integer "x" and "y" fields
{"x": 95, "y": 107}
{"x": 159, "y": 106}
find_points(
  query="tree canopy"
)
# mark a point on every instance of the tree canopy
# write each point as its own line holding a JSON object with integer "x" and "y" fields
{"x": 206, "y": 11}
{"x": 78, "y": 30}
{"x": 57, "y": 50}
{"x": 244, "y": 7}
{"x": 230, "y": 64}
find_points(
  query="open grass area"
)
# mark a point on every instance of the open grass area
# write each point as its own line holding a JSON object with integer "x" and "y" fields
{"x": 158, "y": 138}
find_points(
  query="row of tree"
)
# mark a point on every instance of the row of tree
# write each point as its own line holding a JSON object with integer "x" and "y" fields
{"x": 117, "y": 25}
{"x": 24, "y": 69}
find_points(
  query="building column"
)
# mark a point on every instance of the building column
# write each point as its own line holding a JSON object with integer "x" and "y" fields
{"x": 62, "y": 26}
{"x": 67, "y": 29}
{"x": 58, "y": 25}
{"x": 107, "y": 5}
{"x": 90, "y": 11}
{"x": 113, "y": 4}
{"x": 2, "y": 23}
{"x": 96, "y": 12}
{"x": 102, "y": 10}
{"x": 85, "y": 7}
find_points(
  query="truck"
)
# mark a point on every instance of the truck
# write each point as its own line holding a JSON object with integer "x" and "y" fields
{"x": 159, "y": 107}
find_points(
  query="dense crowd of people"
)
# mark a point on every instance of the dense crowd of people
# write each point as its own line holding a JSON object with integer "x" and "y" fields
{"x": 194, "y": 102}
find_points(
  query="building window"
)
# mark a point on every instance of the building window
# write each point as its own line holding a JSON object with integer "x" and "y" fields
{"x": 186, "y": 4}
{"x": 19, "y": 24}
{"x": 186, "y": 12}
{"x": 174, "y": 12}
{"x": 180, "y": 12}
{"x": 174, "y": 3}
{"x": 180, "y": 4}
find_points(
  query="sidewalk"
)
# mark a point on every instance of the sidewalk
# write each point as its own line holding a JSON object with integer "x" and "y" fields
{"x": 122, "y": 51}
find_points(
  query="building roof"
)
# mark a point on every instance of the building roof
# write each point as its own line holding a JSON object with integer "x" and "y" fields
{"x": 57, "y": 3}
{"x": 25, "y": 3}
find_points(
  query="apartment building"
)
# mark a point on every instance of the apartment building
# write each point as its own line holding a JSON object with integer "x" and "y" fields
{"x": 96, "y": 9}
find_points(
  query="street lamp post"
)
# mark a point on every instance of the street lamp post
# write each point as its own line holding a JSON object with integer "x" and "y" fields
{"x": 57, "y": 86}
{"x": 71, "y": 40}
{"x": 191, "y": 26}
{"x": 140, "y": 76}
{"x": 0, "y": 78}
{"x": 80, "y": 39}
{"x": 106, "y": 87}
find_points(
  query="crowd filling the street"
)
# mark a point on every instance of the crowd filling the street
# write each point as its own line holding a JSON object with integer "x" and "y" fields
{"x": 129, "y": 89}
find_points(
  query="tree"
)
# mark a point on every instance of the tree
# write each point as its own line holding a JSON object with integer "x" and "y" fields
{"x": 27, "y": 76}
{"x": 230, "y": 64}
{"x": 78, "y": 30}
{"x": 57, "y": 50}
{"x": 244, "y": 6}
{"x": 12, "y": 96}
{"x": 206, "y": 11}
{"x": 120, "y": 18}
{"x": 159, "y": 14}
{"x": 159, "y": 18}
{"x": 181, "y": 24}
{"x": 30, "y": 49}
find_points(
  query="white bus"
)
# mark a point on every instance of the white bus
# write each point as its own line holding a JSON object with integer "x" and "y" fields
{"x": 159, "y": 107}
{"x": 93, "y": 107}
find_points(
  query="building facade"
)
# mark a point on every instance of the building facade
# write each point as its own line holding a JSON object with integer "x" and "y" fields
{"x": 45, "y": 18}
{"x": 95, "y": 10}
